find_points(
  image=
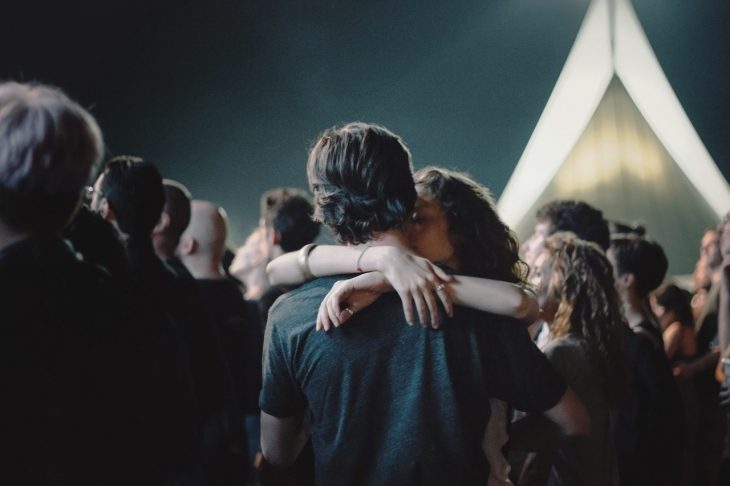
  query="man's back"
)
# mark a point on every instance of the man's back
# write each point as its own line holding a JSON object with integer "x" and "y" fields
{"x": 393, "y": 404}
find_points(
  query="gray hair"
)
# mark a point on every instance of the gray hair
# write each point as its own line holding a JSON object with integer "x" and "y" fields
{"x": 49, "y": 146}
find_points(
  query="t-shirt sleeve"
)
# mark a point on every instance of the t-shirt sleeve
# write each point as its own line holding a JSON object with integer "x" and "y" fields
{"x": 280, "y": 396}
{"x": 526, "y": 380}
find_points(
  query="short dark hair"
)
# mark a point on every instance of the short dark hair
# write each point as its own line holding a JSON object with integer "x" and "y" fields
{"x": 643, "y": 258}
{"x": 483, "y": 245}
{"x": 133, "y": 190}
{"x": 577, "y": 217}
{"x": 289, "y": 211}
{"x": 362, "y": 181}
{"x": 677, "y": 300}
{"x": 177, "y": 207}
{"x": 48, "y": 148}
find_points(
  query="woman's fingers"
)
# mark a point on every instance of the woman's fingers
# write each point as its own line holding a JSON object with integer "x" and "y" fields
{"x": 346, "y": 312}
{"x": 421, "y": 308}
{"x": 445, "y": 298}
{"x": 441, "y": 274}
{"x": 433, "y": 309}
{"x": 405, "y": 298}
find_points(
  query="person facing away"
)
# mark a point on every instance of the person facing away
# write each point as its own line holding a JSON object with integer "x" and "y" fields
{"x": 388, "y": 403}
{"x": 456, "y": 224}
{"x": 200, "y": 249}
{"x": 650, "y": 423}
{"x": 73, "y": 409}
{"x": 285, "y": 224}
{"x": 130, "y": 193}
{"x": 174, "y": 219}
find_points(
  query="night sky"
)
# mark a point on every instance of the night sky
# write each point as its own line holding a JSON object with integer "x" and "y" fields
{"x": 227, "y": 96}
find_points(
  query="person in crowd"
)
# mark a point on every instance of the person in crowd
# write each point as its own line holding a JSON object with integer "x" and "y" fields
{"x": 454, "y": 223}
{"x": 724, "y": 340}
{"x": 129, "y": 192}
{"x": 200, "y": 249}
{"x": 672, "y": 308}
{"x": 706, "y": 274}
{"x": 579, "y": 302}
{"x": 579, "y": 218}
{"x": 173, "y": 221}
{"x": 367, "y": 203}
{"x": 76, "y": 396}
{"x": 650, "y": 426}
{"x": 285, "y": 224}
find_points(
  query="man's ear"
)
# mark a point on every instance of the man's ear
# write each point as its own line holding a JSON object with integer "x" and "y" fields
{"x": 162, "y": 224}
{"x": 187, "y": 245}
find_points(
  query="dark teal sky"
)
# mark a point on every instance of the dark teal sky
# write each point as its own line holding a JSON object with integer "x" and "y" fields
{"x": 226, "y": 96}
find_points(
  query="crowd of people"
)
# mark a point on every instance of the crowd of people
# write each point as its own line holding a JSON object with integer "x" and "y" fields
{"x": 427, "y": 347}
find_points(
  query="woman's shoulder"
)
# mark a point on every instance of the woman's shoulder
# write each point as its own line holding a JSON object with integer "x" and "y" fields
{"x": 565, "y": 348}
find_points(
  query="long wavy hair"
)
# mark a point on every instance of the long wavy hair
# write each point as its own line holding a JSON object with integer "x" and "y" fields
{"x": 589, "y": 307}
{"x": 483, "y": 244}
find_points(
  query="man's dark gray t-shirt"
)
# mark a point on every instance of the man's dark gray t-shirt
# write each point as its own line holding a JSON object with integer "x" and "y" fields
{"x": 398, "y": 404}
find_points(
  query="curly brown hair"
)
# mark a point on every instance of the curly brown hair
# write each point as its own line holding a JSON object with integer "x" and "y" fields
{"x": 483, "y": 244}
{"x": 589, "y": 306}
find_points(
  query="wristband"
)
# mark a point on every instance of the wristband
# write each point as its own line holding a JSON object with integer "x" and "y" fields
{"x": 303, "y": 260}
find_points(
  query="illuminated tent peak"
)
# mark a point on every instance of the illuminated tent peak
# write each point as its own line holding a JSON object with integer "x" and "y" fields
{"x": 614, "y": 134}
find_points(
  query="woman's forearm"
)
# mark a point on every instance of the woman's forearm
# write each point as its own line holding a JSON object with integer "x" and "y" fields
{"x": 323, "y": 260}
{"x": 496, "y": 297}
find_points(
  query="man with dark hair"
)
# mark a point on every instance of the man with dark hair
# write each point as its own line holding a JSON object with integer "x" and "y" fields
{"x": 173, "y": 221}
{"x": 285, "y": 224}
{"x": 650, "y": 427}
{"x": 389, "y": 403}
{"x": 577, "y": 217}
{"x": 130, "y": 194}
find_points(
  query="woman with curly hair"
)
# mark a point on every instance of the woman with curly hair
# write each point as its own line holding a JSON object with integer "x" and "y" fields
{"x": 578, "y": 300}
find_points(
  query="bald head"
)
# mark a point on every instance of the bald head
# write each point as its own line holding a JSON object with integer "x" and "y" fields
{"x": 203, "y": 242}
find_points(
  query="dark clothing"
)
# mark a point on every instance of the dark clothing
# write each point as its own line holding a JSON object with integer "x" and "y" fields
{"x": 240, "y": 339}
{"x": 590, "y": 460}
{"x": 224, "y": 301}
{"x": 650, "y": 425}
{"x": 713, "y": 424}
{"x": 398, "y": 404}
{"x": 178, "y": 268}
{"x": 214, "y": 397}
{"x": 87, "y": 373}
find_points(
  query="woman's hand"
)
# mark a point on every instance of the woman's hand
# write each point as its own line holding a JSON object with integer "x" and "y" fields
{"x": 347, "y": 297}
{"x": 416, "y": 280}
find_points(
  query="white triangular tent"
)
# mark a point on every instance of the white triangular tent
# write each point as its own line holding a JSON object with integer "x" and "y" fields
{"x": 614, "y": 134}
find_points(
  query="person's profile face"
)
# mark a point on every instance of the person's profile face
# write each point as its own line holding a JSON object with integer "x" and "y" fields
{"x": 710, "y": 248}
{"x": 428, "y": 231}
{"x": 540, "y": 275}
{"x": 96, "y": 195}
{"x": 535, "y": 244}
